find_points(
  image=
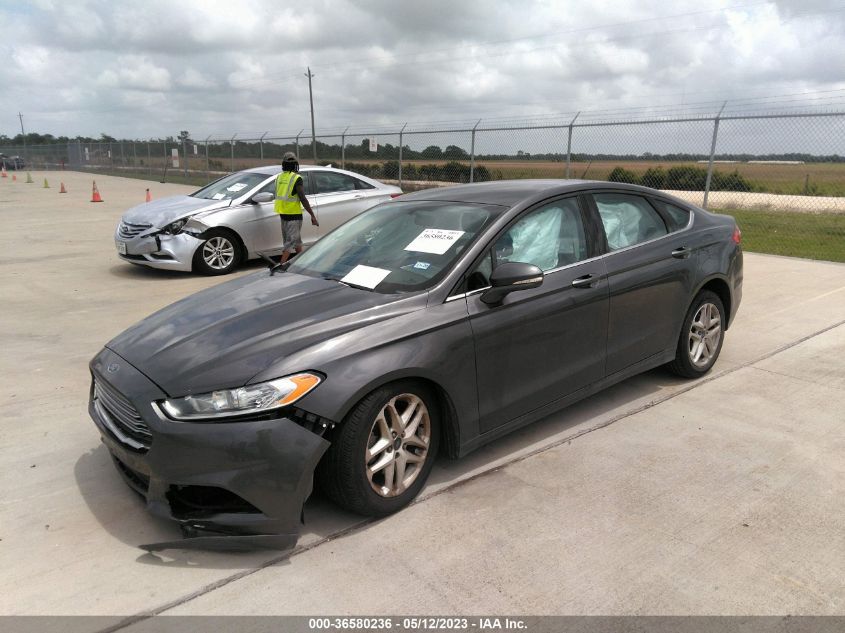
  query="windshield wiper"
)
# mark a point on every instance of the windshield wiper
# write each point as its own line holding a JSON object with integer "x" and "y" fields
{"x": 345, "y": 283}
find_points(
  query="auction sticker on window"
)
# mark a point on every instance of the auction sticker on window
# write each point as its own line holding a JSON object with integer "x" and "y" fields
{"x": 436, "y": 241}
{"x": 365, "y": 276}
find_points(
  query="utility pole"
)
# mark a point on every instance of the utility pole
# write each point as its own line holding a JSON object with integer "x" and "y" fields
{"x": 313, "y": 133}
{"x": 23, "y": 135}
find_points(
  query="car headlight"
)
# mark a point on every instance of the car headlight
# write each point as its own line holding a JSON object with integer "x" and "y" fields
{"x": 174, "y": 227}
{"x": 265, "y": 396}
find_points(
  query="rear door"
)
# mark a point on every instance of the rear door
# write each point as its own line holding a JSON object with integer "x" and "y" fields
{"x": 542, "y": 344}
{"x": 650, "y": 273}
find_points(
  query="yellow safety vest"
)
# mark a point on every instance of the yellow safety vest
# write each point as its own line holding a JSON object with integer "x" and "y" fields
{"x": 287, "y": 200}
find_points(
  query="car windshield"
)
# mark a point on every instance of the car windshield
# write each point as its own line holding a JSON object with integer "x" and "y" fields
{"x": 396, "y": 246}
{"x": 231, "y": 186}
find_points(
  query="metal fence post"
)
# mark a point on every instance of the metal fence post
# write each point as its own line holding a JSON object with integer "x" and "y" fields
{"x": 569, "y": 144}
{"x": 164, "y": 176}
{"x": 472, "y": 153}
{"x": 232, "y": 144}
{"x": 400, "y": 153}
{"x": 207, "y": 174}
{"x": 343, "y": 149}
{"x": 712, "y": 155}
{"x": 261, "y": 143}
{"x": 297, "y": 145}
{"x": 149, "y": 159}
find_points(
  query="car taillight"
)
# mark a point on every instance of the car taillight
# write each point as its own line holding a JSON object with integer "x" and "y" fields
{"x": 737, "y": 236}
{"x": 395, "y": 195}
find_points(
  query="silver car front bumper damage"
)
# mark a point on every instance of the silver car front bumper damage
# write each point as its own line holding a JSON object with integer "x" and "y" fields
{"x": 162, "y": 250}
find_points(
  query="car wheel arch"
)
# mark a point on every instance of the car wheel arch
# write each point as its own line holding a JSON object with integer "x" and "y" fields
{"x": 718, "y": 285}
{"x": 227, "y": 229}
{"x": 449, "y": 423}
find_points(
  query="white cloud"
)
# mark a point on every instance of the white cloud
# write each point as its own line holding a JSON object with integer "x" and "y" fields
{"x": 217, "y": 67}
{"x": 135, "y": 73}
{"x": 193, "y": 78}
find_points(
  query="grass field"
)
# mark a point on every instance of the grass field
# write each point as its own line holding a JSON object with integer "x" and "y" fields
{"x": 822, "y": 179}
{"x": 812, "y": 236}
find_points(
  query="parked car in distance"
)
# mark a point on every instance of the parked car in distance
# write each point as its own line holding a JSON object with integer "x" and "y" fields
{"x": 231, "y": 220}
{"x": 433, "y": 323}
{"x": 12, "y": 162}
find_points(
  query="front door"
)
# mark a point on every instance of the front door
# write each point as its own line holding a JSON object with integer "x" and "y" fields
{"x": 542, "y": 344}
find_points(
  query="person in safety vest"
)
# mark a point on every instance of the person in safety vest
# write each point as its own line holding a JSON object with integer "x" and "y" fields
{"x": 290, "y": 198}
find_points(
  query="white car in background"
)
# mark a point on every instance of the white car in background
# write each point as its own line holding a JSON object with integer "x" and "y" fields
{"x": 231, "y": 220}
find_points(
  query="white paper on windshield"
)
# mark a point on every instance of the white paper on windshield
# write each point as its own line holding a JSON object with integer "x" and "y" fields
{"x": 218, "y": 196}
{"x": 365, "y": 276}
{"x": 236, "y": 187}
{"x": 436, "y": 241}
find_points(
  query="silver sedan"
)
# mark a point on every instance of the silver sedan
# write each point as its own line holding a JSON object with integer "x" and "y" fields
{"x": 232, "y": 219}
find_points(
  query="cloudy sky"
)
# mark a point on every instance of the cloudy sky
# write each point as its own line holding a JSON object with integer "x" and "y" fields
{"x": 152, "y": 68}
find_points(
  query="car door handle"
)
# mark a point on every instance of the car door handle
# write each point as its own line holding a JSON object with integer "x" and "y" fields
{"x": 681, "y": 253}
{"x": 358, "y": 196}
{"x": 586, "y": 281}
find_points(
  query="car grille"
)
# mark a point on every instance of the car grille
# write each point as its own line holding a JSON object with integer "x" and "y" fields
{"x": 120, "y": 417}
{"x": 129, "y": 230}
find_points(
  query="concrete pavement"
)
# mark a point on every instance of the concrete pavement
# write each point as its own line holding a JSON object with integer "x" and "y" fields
{"x": 658, "y": 496}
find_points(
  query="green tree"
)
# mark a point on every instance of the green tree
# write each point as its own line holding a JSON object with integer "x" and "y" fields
{"x": 432, "y": 152}
{"x": 453, "y": 152}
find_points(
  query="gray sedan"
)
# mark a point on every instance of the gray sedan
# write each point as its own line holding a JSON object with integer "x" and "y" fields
{"x": 433, "y": 323}
{"x": 231, "y": 220}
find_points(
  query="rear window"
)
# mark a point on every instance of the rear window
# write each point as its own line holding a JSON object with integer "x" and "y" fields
{"x": 676, "y": 217}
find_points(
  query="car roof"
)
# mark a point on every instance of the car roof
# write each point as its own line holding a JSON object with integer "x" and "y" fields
{"x": 272, "y": 170}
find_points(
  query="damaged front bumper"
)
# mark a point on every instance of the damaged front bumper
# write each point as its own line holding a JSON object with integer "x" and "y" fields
{"x": 229, "y": 485}
{"x": 160, "y": 250}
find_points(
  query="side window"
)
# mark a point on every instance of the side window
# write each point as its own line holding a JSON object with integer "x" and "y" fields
{"x": 628, "y": 219}
{"x": 549, "y": 237}
{"x": 678, "y": 218}
{"x": 360, "y": 184}
{"x": 330, "y": 182}
{"x": 270, "y": 187}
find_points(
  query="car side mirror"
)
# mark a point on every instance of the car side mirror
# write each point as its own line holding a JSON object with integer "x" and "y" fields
{"x": 262, "y": 197}
{"x": 511, "y": 276}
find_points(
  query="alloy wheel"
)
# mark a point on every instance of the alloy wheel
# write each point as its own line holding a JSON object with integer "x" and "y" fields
{"x": 704, "y": 335}
{"x": 398, "y": 445}
{"x": 218, "y": 253}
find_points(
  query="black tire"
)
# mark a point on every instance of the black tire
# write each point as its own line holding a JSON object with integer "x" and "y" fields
{"x": 696, "y": 354}
{"x": 219, "y": 254}
{"x": 343, "y": 471}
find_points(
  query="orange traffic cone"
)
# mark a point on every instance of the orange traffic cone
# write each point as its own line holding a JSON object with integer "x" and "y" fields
{"x": 95, "y": 195}
{"x": 149, "y": 197}
{"x": 14, "y": 177}
{"x": 4, "y": 171}
{"x": 63, "y": 190}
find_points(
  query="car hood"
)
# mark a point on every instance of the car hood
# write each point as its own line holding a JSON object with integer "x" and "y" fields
{"x": 225, "y": 335}
{"x": 160, "y": 213}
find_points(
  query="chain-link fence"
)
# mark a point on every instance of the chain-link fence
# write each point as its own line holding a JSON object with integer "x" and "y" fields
{"x": 782, "y": 175}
